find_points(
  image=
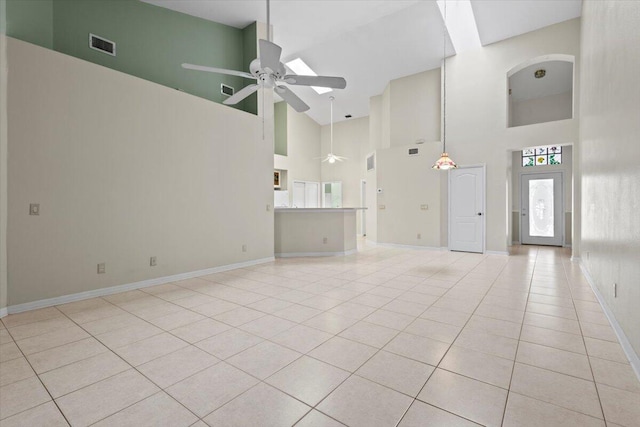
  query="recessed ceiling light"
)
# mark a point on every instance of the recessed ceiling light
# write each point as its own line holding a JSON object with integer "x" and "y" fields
{"x": 299, "y": 67}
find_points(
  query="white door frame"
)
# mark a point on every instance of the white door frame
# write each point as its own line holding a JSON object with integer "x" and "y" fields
{"x": 363, "y": 204}
{"x": 322, "y": 184}
{"x": 562, "y": 208}
{"x": 483, "y": 220}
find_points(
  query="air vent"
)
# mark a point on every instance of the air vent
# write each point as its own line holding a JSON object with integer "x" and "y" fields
{"x": 413, "y": 151}
{"x": 101, "y": 44}
{"x": 226, "y": 90}
{"x": 371, "y": 160}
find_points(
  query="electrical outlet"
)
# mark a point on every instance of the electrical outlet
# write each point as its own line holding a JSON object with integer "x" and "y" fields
{"x": 244, "y": 248}
{"x": 419, "y": 236}
{"x": 615, "y": 290}
{"x": 325, "y": 240}
{"x": 153, "y": 261}
{"x": 382, "y": 207}
{"x": 268, "y": 208}
{"x": 424, "y": 207}
{"x": 34, "y": 209}
{"x": 102, "y": 268}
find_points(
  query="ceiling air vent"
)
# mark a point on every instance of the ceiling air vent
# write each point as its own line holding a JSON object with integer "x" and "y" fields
{"x": 371, "y": 162}
{"x": 413, "y": 151}
{"x": 101, "y": 44}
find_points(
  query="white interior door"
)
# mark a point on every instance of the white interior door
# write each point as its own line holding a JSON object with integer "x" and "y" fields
{"x": 311, "y": 194}
{"x": 541, "y": 209}
{"x": 466, "y": 209}
{"x": 298, "y": 194}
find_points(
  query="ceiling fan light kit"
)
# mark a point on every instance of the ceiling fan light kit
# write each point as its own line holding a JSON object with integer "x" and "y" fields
{"x": 270, "y": 73}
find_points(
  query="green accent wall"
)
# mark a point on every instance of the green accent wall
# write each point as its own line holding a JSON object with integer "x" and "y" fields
{"x": 250, "y": 50}
{"x": 151, "y": 42}
{"x": 31, "y": 21}
{"x": 280, "y": 128}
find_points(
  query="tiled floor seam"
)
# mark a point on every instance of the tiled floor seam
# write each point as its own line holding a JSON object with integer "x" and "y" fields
{"x": 42, "y": 384}
{"x": 564, "y": 269}
{"x": 513, "y": 367}
{"x": 111, "y": 376}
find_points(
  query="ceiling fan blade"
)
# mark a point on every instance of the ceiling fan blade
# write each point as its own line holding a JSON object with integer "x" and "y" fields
{"x": 291, "y": 99}
{"x": 320, "y": 81}
{"x": 270, "y": 55}
{"x": 218, "y": 70}
{"x": 241, "y": 94}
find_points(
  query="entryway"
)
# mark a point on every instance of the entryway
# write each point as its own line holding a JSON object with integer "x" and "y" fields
{"x": 541, "y": 209}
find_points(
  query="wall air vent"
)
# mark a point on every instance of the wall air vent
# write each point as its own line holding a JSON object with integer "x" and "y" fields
{"x": 101, "y": 44}
{"x": 413, "y": 151}
{"x": 226, "y": 90}
{"x": 371, "y": 162}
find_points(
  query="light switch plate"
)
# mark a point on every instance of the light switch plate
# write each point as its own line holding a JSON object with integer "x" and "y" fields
{"x": 102, "y": 268}
{"x": 34, "y": 209}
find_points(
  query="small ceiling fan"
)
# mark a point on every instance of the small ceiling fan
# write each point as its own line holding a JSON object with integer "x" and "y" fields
{"x": 271, "y": 73}
{"x": 332, "y": 158}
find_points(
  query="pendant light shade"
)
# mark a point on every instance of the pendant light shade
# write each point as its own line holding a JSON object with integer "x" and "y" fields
{"x": 444, "y": 162}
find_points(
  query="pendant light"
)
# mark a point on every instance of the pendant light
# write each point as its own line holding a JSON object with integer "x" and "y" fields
{"x": 444, "y": 162}
{"x": 332, "y": 158}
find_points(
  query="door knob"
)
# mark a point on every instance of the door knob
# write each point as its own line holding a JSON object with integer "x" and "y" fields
{"x": 479, "y": 213}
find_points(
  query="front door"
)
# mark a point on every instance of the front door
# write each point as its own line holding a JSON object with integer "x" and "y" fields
{"x": 466, "y": 209}
{"x": 541, "y": 209}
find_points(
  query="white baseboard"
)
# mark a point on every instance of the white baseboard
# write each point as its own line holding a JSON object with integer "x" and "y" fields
{"x": 515, "y": 242}
{"x": 566, "y": 245}
{"x": 314, "y": 254}
{"x": 129, "y": 286}
{"x": 397, "y": 245}
{"x": 3, "y": 312}
{"x": 634, "y": 360}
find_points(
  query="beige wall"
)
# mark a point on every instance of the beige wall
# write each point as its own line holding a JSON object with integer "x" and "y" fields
{"x": 610, "y": 154}
{"x": 415, "y": 108}
{"x": 407, "y": 183}
{"x": 540, "y": 110}
{"x": 477, "y": 113}
{"x": 303, "y": 148}
{"x": 125, "y": 169}
{"x": 3, "y": 156}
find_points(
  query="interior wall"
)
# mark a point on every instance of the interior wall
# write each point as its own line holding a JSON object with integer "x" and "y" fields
{"x": 3, "y": 157}
{"x": 477, "y": 108}
{"x": 544, "y": 109}
{"x": 568, "y": 173}
{"x": 415, "y": 108}
{"x": 609, "y": 156}
{"x": 280, "y": 128}
{"x": 31, "y": 21}
{"x": 165, "y": 176}
{"x": 409, "y": 203}
{"x": 302, "y": 161}
{"x": 151, "y": 41}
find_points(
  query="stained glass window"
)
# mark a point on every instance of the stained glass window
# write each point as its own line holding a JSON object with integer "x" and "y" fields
{"x": 539, "y": 156}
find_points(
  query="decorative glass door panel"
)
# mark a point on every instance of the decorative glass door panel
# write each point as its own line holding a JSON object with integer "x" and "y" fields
{"x": 541, "y": 209}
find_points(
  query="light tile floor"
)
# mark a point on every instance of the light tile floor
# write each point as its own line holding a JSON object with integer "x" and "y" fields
{"x": 386, "y": 337}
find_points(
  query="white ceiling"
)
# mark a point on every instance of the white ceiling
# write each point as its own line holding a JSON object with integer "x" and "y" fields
{"x": 370, "y": 43}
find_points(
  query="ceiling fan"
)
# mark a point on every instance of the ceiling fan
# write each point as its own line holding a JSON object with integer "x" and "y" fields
{"x": 332, "y": 158}
{"x": 271, "y": 73}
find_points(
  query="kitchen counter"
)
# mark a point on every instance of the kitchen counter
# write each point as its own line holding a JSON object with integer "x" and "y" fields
{"x": 315, "y": 231}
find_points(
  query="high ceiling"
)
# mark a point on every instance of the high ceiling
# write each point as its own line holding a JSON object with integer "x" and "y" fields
{"x": 370, "y": 43}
